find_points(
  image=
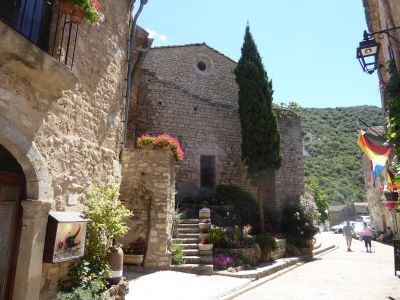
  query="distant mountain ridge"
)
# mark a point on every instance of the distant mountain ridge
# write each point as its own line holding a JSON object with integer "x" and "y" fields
{"x": 330, "y": 150}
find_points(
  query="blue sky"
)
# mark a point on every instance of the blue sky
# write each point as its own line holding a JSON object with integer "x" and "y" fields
{"x": 308, "y": 47}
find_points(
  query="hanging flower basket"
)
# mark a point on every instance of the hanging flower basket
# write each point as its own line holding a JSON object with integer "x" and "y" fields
{"x": 390, "y": 205}
{"x": 391, "y": 196}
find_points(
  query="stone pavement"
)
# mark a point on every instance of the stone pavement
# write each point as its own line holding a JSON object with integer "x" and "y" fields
{"x": 147, "y": 284}
{"x": 336, "y": 275}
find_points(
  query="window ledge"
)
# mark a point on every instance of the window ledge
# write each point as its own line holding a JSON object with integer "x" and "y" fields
{"x": 23, "y": 58}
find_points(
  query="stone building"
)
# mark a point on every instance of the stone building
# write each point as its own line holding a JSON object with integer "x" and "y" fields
{"x": 381, "y": 15}
{"x": 60, "y": 129}
{"x": 190, "y": 92}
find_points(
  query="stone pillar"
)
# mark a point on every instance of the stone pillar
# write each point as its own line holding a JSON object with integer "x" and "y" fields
{"x": 148, "y": 189}
{"x": 30, "y": 254}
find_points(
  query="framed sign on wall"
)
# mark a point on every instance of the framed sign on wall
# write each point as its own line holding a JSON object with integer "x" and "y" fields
{"x": 65, "y": 237}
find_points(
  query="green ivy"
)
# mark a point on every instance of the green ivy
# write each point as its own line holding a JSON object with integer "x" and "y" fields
{"x": 393, "y": 131}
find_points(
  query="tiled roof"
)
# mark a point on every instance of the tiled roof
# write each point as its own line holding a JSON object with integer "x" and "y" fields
{"x": 191, "y": 45}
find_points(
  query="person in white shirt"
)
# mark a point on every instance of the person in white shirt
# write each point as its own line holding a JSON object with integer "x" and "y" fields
{"x": 348, "y": 232}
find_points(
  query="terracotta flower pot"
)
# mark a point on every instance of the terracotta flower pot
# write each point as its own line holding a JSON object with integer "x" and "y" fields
{"x": 65, "y": 7}
{"x": 77, "y": 15}
{"x": 116, "y": 259}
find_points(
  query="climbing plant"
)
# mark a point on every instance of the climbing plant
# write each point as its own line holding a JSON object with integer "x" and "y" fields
{"x": 393, "y": 133}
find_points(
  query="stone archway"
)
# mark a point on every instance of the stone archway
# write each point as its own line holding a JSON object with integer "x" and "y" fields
{"x": 35, "y": 210}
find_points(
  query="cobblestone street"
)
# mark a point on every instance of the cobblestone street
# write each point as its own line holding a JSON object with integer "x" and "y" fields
{"x": 337, "y": 275}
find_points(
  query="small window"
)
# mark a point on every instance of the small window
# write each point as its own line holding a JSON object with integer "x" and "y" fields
{"x": 201, "y": 66}
{"x": 207, "y": 170}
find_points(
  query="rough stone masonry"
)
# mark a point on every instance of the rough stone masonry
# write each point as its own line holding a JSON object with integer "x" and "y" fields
{"x": 190, "y": 92}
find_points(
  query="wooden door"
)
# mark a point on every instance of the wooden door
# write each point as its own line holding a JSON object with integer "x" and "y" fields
{"x": 12, "y": 187}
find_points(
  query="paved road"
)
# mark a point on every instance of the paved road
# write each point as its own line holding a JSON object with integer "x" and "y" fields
{"x": 336, "y": 275}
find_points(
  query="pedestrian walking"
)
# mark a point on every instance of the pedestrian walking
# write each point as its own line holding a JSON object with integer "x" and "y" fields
{"x": 348, "y": 232}
{"x": 367, "y": 237}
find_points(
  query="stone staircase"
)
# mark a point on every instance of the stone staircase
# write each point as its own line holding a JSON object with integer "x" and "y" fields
{"x": 193, "y": 261}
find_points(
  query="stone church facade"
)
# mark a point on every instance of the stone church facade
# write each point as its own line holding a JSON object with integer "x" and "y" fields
{"x": 190, "y": 93}
{"x": 60, "y": 131}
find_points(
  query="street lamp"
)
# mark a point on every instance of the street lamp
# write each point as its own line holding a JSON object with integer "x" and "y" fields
{"x": 368, "y": 50}
{"x": 367, "y": 53}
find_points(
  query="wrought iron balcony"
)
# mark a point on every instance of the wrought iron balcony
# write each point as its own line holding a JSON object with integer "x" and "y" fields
{"x": 43, "y": 25}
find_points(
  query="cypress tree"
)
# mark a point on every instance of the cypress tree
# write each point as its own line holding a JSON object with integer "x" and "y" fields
{"x": 260, "y": 137}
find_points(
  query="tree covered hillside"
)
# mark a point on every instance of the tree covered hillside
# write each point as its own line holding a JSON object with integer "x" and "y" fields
{"x": 331, "y": 154}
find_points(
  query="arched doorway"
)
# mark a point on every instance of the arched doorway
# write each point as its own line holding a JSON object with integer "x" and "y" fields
{"x": 12, "y": 190}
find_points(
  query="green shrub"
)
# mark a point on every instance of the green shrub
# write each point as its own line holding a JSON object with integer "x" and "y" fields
{"x": 217, "y": 234}
{"x": 266, "y": 242}
{"x": 299, "y": 218}
{"x": 79, "y": 294}
{"x": 177, "y": 254}
{"x": 245, "y": 206}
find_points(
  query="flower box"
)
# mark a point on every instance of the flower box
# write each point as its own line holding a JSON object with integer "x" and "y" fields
{"x": 133, "y": 259}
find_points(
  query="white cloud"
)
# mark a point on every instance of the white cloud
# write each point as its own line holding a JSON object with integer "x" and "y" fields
{"x": 159, "y": 38}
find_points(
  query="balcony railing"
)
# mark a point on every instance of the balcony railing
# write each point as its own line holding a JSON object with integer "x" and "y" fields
{"x": 33, "y": 19}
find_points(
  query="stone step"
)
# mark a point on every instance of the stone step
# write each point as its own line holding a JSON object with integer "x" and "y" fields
{"x": 200, "y": 269}
{"x": 191, "y": 252}
{"x": 190, "y": 221}
{"x": 188, "y": 230}
{"x": 188, "y": 235}
{"x": 195, "y": 225}
{"x": 191, "y": 259}
{"x": 185, "y": 241}
{"x": 207, "y": 259}
{"x": 190, "y": 246}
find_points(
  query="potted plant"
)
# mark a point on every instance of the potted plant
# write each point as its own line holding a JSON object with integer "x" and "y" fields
{"x": 81, "y": 9}
{"x": 107, "y": 223}
{"x": 134, "y": 252}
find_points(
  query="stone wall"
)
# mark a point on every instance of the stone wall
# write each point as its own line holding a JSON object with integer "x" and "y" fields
{"x": 148, "y": 189}
{"x": 381, "y": 14}
{"x": 289, "y": 179}
{"x": 71, "y": 121}
{"x": 280, "y": 251}
{"x": 200, "y": 108}
{"x": 381, "y": 217}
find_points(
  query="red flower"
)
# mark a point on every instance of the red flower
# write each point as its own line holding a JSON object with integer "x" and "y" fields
{"x": 96, "y": 4}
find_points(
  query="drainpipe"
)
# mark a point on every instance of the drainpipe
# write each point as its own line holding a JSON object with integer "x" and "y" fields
{"x": 132, "y": 46}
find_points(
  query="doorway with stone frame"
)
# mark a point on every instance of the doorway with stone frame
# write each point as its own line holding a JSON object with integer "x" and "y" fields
{"x": 12, "y": 191}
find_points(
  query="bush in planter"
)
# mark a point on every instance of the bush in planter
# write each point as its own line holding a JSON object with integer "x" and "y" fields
{"x": 177, "y": 254}
{"x": 299, "y": 218}
{"x": 231, "y": 237}
{"x": 106, "y": 222}
{"x": 266, "y": 242}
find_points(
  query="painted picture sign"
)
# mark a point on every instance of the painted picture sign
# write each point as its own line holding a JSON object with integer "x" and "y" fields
{"x": 65, "y": 237}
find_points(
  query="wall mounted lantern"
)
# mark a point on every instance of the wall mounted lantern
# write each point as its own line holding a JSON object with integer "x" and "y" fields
{"x": 368, "y": 50}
